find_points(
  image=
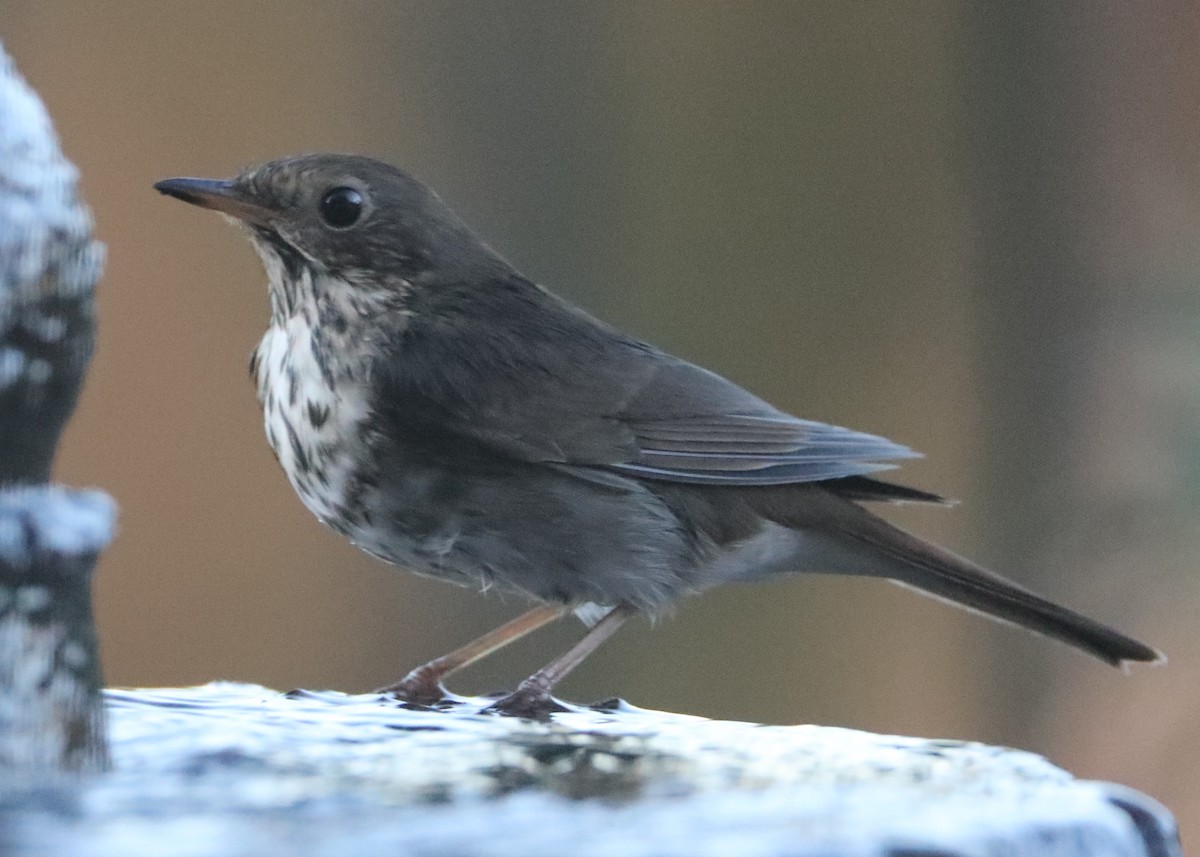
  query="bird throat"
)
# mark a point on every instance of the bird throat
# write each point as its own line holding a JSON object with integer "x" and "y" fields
{"x": 309, "y": 371}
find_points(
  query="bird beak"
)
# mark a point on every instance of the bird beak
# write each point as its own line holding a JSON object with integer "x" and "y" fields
{"x": 221, "y": 195}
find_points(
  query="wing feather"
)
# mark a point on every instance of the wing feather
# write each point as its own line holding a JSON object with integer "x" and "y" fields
{"x": 519, "y": 372}
{"x": 691, "y": 425}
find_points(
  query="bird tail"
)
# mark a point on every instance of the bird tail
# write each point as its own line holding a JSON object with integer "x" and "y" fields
{"x": 915, "y": 563}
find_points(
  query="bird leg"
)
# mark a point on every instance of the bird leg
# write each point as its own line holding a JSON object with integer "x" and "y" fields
{"x": 532, "y": 697}
{"x": 424, "y": 684}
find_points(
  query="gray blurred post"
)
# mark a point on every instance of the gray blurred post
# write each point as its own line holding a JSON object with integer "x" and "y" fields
{"x": 1022, "y": 119}
{"x": 1078, "y": 272}
{"x": 51, "y": 712}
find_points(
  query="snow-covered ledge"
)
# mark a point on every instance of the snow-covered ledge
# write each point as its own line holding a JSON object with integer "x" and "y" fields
{"x": 230, "y": 769}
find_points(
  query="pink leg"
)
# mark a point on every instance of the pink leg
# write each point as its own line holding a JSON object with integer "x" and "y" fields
{"x": 424, "y": 684}
{"x": 532, "y": 698}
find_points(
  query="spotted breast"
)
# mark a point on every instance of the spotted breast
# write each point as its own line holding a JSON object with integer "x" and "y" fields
{"x": 313, "y": 412}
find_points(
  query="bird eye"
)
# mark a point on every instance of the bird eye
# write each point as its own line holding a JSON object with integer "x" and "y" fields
{"x": 342, "y": 207}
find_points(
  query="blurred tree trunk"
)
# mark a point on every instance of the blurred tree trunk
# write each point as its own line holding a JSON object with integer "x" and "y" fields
{"x": 1075, "y": 138}
{"x": 1027, "y": 141}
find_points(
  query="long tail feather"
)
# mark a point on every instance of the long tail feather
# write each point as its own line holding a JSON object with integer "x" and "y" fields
{"x": 890, "y": 552}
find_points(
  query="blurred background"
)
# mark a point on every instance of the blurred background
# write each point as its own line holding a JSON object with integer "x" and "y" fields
{"x": 966, "y": 227}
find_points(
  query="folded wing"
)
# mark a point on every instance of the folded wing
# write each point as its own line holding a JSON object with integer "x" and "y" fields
{"x": 691, "y": 425}
{"x": 518, "y": 372}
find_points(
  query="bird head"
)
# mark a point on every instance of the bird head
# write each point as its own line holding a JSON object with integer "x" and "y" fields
{"x": 346, "y": 217}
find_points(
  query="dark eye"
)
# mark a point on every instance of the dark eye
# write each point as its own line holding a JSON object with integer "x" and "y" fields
{"x": 342, "y": 207}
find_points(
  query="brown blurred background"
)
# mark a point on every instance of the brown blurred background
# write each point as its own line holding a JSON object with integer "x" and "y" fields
{"x": 970, "y": 229}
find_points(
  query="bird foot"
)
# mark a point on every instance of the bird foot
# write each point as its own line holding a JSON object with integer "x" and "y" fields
{"x": 417, "y": 688}
{"x": 528, "y": 703}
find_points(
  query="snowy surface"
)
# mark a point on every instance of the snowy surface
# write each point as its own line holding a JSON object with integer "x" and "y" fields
{"x": 238, "y": 769}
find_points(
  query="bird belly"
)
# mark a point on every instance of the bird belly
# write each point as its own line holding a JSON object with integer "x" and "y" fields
{"x": 521, "y": 527}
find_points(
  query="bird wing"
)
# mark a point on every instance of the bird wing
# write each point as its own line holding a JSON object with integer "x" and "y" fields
{"x": 691, "y": 425}
{"x": 527, "y": 375}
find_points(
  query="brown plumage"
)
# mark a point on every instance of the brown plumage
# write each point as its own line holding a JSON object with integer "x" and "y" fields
{"x": 452, "y": 417}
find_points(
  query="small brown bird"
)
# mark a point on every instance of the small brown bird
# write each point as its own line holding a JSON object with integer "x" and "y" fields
{"x": 448, "y": 415}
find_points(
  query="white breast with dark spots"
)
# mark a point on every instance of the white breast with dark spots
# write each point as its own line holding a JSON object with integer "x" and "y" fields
{"x": 313, "y": 422}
